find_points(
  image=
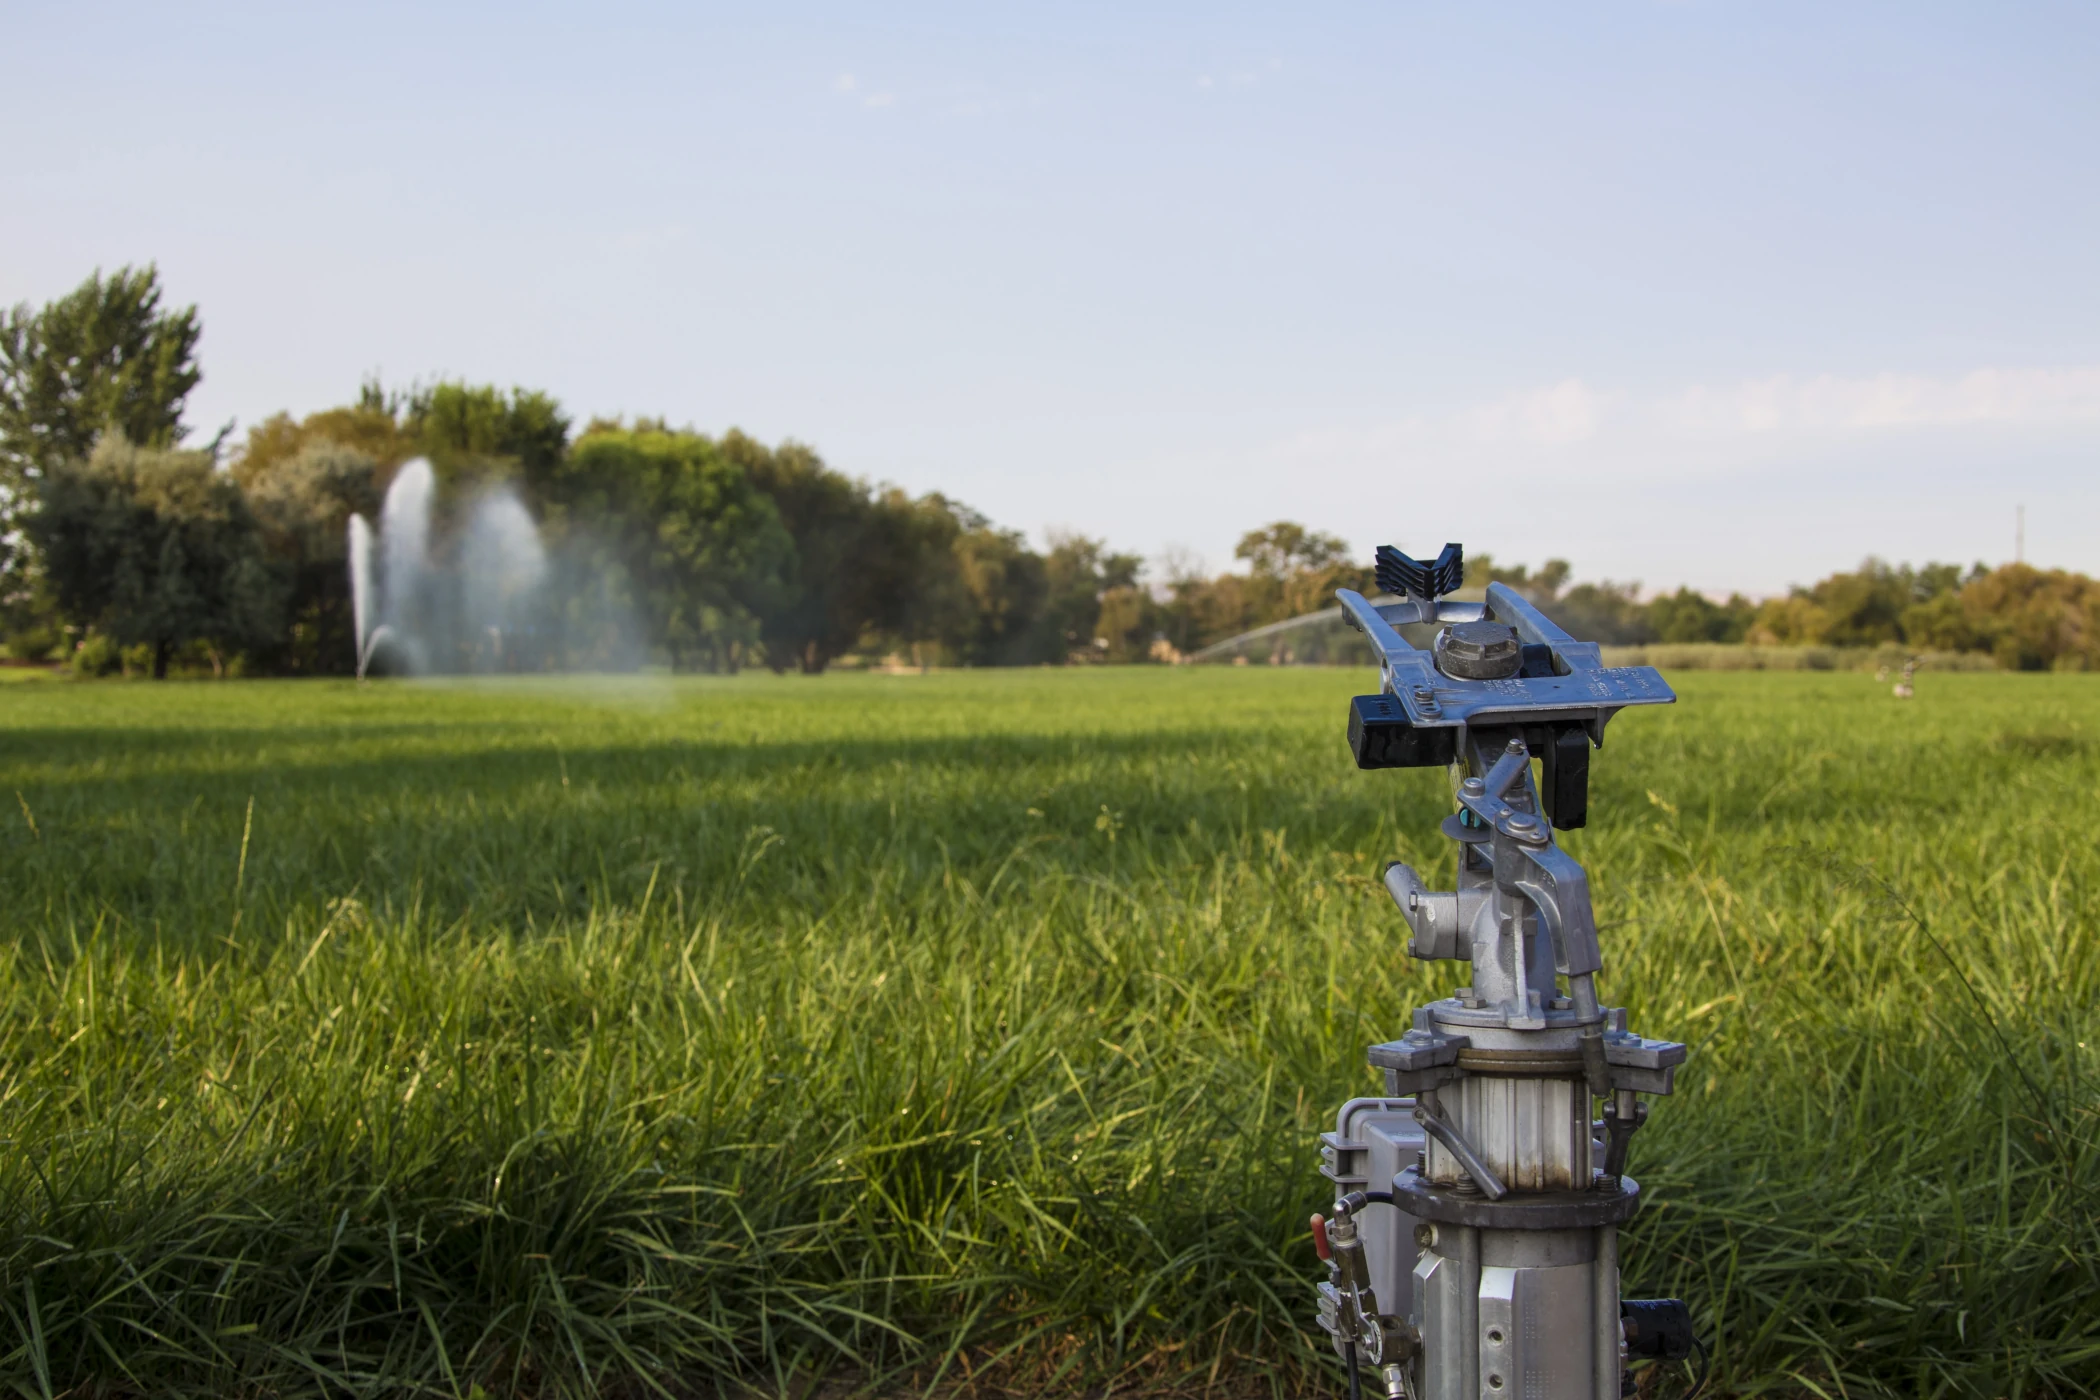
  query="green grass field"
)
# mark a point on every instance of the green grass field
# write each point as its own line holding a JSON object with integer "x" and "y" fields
{"x": 977, "y": 1028}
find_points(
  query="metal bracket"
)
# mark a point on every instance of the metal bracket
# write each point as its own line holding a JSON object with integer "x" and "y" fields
{"x": 1455, "y": 1143}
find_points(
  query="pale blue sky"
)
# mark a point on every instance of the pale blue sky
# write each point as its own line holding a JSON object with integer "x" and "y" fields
{"x": 1719, "y": 294}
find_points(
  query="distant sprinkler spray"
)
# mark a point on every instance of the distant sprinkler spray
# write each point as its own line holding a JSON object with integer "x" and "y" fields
{"x": 433, "y": 617}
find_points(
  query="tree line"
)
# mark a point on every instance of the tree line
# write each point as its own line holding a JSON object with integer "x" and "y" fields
{"x": 123, "y": 547}
{"x": 2026, "y": 618}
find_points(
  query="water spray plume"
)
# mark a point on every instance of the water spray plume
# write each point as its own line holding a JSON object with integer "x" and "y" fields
{"x": 360, "y": 588}
{"x": 479, "y": 599}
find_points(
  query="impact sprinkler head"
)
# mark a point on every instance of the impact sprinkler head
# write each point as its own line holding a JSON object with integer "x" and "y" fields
{"x": 1494, "y": 1267}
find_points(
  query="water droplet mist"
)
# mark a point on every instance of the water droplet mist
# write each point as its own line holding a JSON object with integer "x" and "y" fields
{"x": 478, "y": 598}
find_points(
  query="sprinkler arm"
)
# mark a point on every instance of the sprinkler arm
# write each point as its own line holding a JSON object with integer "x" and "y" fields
{"x": 1528, "y": 865}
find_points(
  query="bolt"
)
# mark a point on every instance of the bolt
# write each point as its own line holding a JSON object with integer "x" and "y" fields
{"x": 1515, "y": 746}
{"x": 1522, "y": 823}
{"x": 1473, "y": 787}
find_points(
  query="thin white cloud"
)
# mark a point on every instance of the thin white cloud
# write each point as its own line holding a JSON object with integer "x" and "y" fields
{"x": 1783, "y": 403}
{"x": 1703, "y": 431}
{"x": 1554, "y": 416}
{"x": 848, "y": 86}
{"x": 1571, "y": 412}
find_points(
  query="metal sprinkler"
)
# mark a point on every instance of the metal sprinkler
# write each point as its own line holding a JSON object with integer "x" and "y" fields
{"x": 1472, "y": 1249}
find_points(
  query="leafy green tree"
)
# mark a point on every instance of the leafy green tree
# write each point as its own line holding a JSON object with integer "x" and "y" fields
{"x": 1863, "y": 608}
{"x": 1286, "y": 547}
{"x": 157, "y": 548}
{"x": 1077, "y": 573}
{"x": 1793, "y": 621}
{"x": 478, "y": 430}
{"x": 1603, "y": 612}
{"x": 1868, "y": 607}
{"x": 997, "y": 606}
{"x": 1541, "y": 587}
{"x": 704, "y": 546}
{"x": 924, "y": 585}
{"x": 1129, "y": 624}
{"x": 376, "y": 426}
{"x": 1201, "y": 611}
{"x": 303, "y": 505}
{"x": 1686, "y": 616}
{"x": 1946, "y": 622}
{"x": 1293, "y": 570}
{"x": 2031, "y": 619}
{"x": 469, "y": 432}
{"x": 855, "y": 558}
{"x": 104, "y": 357}
{"x": 875, "y": 567}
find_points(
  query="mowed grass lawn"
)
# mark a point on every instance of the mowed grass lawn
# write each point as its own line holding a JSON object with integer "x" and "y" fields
{"x": 977, "y": 1029}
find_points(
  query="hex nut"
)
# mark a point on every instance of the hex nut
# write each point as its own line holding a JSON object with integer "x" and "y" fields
{"x": 1479, "y": 651}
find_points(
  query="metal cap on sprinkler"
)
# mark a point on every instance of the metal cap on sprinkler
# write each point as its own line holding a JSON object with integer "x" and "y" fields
{"x": 1472, "y": 1253}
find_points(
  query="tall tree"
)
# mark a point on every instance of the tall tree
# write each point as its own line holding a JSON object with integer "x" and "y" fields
{"x": 156, "y": 547}
{"x": 2030, "y": 619}
{"x": 468, "y": 431}
{"x": 478, "y": 430}
{"x": 1866, "y": 607}
{"x": 376, "y": 426}
{"x": 912, "y": 574}
{"x": 830, "y": 598}
{"x": 1688, "y": 616}
{"x": 998, "y": 610}
{"x": 868, "y": 564}
{"x": 1286, "y": 547}
{"x": 303, "y": 504}
{"x": 1076, "y": 573}
{"x": 702, "y": 543}
{"x": 1293, "y": 570}
{"x": 1603, "y": 612}
{"x": 104, "y": 357}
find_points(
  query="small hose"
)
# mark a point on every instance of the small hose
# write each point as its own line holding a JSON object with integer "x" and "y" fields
{"x": 1705, "y": 1364}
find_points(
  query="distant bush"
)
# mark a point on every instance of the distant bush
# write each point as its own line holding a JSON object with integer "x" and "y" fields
{"x": 34, "y": 644}
{"x": 97, "y": 655}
